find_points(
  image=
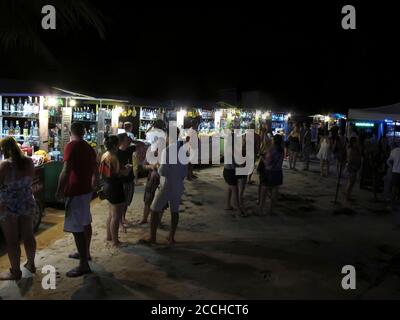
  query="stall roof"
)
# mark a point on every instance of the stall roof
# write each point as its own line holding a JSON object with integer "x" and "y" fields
{"x": 10, "y": 87}
{"x": 390, "y": 112}
{"x": 25, "y": 88}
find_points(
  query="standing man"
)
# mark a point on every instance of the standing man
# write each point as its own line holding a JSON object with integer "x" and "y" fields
{"x": 171, "y": 189}
{"x": 128, "y": 127}
{"x": 307, "y": 146}
{"x": 76, "y": 185}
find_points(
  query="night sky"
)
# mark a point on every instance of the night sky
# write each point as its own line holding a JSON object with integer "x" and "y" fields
{"x": 298, "y": 55}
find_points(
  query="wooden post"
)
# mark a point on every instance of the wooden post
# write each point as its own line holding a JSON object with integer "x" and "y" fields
{"x": 341, "y": 164}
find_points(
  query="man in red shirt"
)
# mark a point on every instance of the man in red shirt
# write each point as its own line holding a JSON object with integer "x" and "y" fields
{"x": 76, "y": 185}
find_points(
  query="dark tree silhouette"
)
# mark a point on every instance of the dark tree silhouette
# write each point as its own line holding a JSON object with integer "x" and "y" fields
{"x": 20, "y": 22}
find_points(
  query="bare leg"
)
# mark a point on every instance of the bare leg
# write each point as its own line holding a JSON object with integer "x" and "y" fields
{"x": 294, "y": 160}
{"x": 88, "y": 234}
{"x": 115, "y": 221}
{"x": 350, "y": 185}
{"x": 154, "y": 222}
{"x": 10, "y": 232}
{"x": 108, "y": 225}
{"x": 146, "y": 213}
{"x": 174, "y": 226}
{"x": 123, "y": 220}
{"x": 241, "y": 187}
{"x": 274, "y": 197}
{"x": 160, "y": 218}
{"x": 235, "y": 198}
{"x": 228, "y": 203}
{"x": 263, "y": 197}
{"x": 26, "y": 223}
{"x": 290, "y": 159}
{"x": 81, "y": 245}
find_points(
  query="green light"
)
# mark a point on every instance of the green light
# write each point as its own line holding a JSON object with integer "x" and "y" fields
{"x": 364, "y": 124}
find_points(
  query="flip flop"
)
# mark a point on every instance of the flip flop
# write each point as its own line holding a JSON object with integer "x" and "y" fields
{"x": 11, "y": 275}
{"x": 77, "y": 272}
{"x": 145, "y": 242}
{"x": 30, "y": 268}
{"x": 76, "y": 256}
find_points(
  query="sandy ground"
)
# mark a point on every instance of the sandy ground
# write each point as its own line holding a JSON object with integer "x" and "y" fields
{"x": 297, "y": 254}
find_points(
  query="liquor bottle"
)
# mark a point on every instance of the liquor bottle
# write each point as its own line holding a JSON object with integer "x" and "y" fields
{"x": 88, "y": 135}
{"x": 6, "y": 129}
{"x": 36, "y": 106}
{"x": 30, "y": 107}
{"x": 12, "y": 107}
{"x": 11, "y": 130}
{"x": 35, "y": 130}
{"x": 26, "y": 129}
{"x": 6, "y": 108}
{"x": 20, "y": 108}
{"x": 26, "y": 108}
{"x": 88, "y": 114}
{"x": 17, "y": 131}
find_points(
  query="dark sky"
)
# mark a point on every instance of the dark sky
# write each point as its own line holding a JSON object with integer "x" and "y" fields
{"x": 297, "y": 54}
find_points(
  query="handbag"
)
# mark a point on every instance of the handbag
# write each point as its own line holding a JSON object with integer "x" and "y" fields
{"x": 100, "y": 190}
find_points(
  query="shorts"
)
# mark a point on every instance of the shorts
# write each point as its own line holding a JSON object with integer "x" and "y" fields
{"x": 271, "y": 178}
{"x": 352, "y": 169}
{"x": 77, "y": 213}
{"x": 162, "y": 199}
{"x": 153, "y": 181}
{"x": 395, "y": 180}
{"x": 231, "y": 178}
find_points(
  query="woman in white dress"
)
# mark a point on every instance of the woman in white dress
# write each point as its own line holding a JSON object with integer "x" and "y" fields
{"x": 324, "y": 155}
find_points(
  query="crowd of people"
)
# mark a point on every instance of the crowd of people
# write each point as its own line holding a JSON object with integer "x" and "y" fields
{"x": 356, "y": 156}
{"x": 114, "y": 174}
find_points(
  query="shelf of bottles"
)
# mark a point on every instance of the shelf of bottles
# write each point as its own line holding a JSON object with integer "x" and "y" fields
{"x": 20, "y": 119}
{"x": 246, "y": 118}
{"x": 87, "y": 114}
{"x": 147, "y": 118}
{"x": 170, "y": 115}
{"x": 278, "y": 122}
{"x": 207, "y": 121}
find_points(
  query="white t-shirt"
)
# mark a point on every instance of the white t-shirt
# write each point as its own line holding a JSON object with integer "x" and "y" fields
{"x": 153, "y": 136}
{"x": 395, "y": 157}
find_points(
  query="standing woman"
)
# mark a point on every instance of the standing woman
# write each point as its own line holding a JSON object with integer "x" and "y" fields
{"x": 17, "y": 206}
{"x": 294, "y": 146}
{"x": 233, "y": 201}
{"x": 324, "y": 155}
{"x": 114, "y": 176}
{"x": 125, "y": 157}
{"x": 271, "y": 176}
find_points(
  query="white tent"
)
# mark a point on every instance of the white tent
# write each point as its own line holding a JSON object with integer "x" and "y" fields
{"x": 391, "y": 112}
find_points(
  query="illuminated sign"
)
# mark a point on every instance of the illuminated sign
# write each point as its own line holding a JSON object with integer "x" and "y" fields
{"x": 364, "y": 124}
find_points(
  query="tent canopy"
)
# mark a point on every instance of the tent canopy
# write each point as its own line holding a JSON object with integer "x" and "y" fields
{"x": 391, "y": 112}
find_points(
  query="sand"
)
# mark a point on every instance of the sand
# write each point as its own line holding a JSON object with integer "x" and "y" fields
{"x": 296, "y": 254}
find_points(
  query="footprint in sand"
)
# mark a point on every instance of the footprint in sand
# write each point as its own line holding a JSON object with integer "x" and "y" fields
{"x": 197, "y": 203}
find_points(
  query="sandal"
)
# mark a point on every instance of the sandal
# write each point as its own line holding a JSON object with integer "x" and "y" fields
{"x": 30, "y": 267}
{"x": 76, "y": 256}
{"x": 145, "y": 242}
{"x": 77, "y": 272}
{"x": 12, "y": 275}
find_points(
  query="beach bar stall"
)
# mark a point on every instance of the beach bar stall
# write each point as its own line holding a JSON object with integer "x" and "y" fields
{"x": 379, "y": 121}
